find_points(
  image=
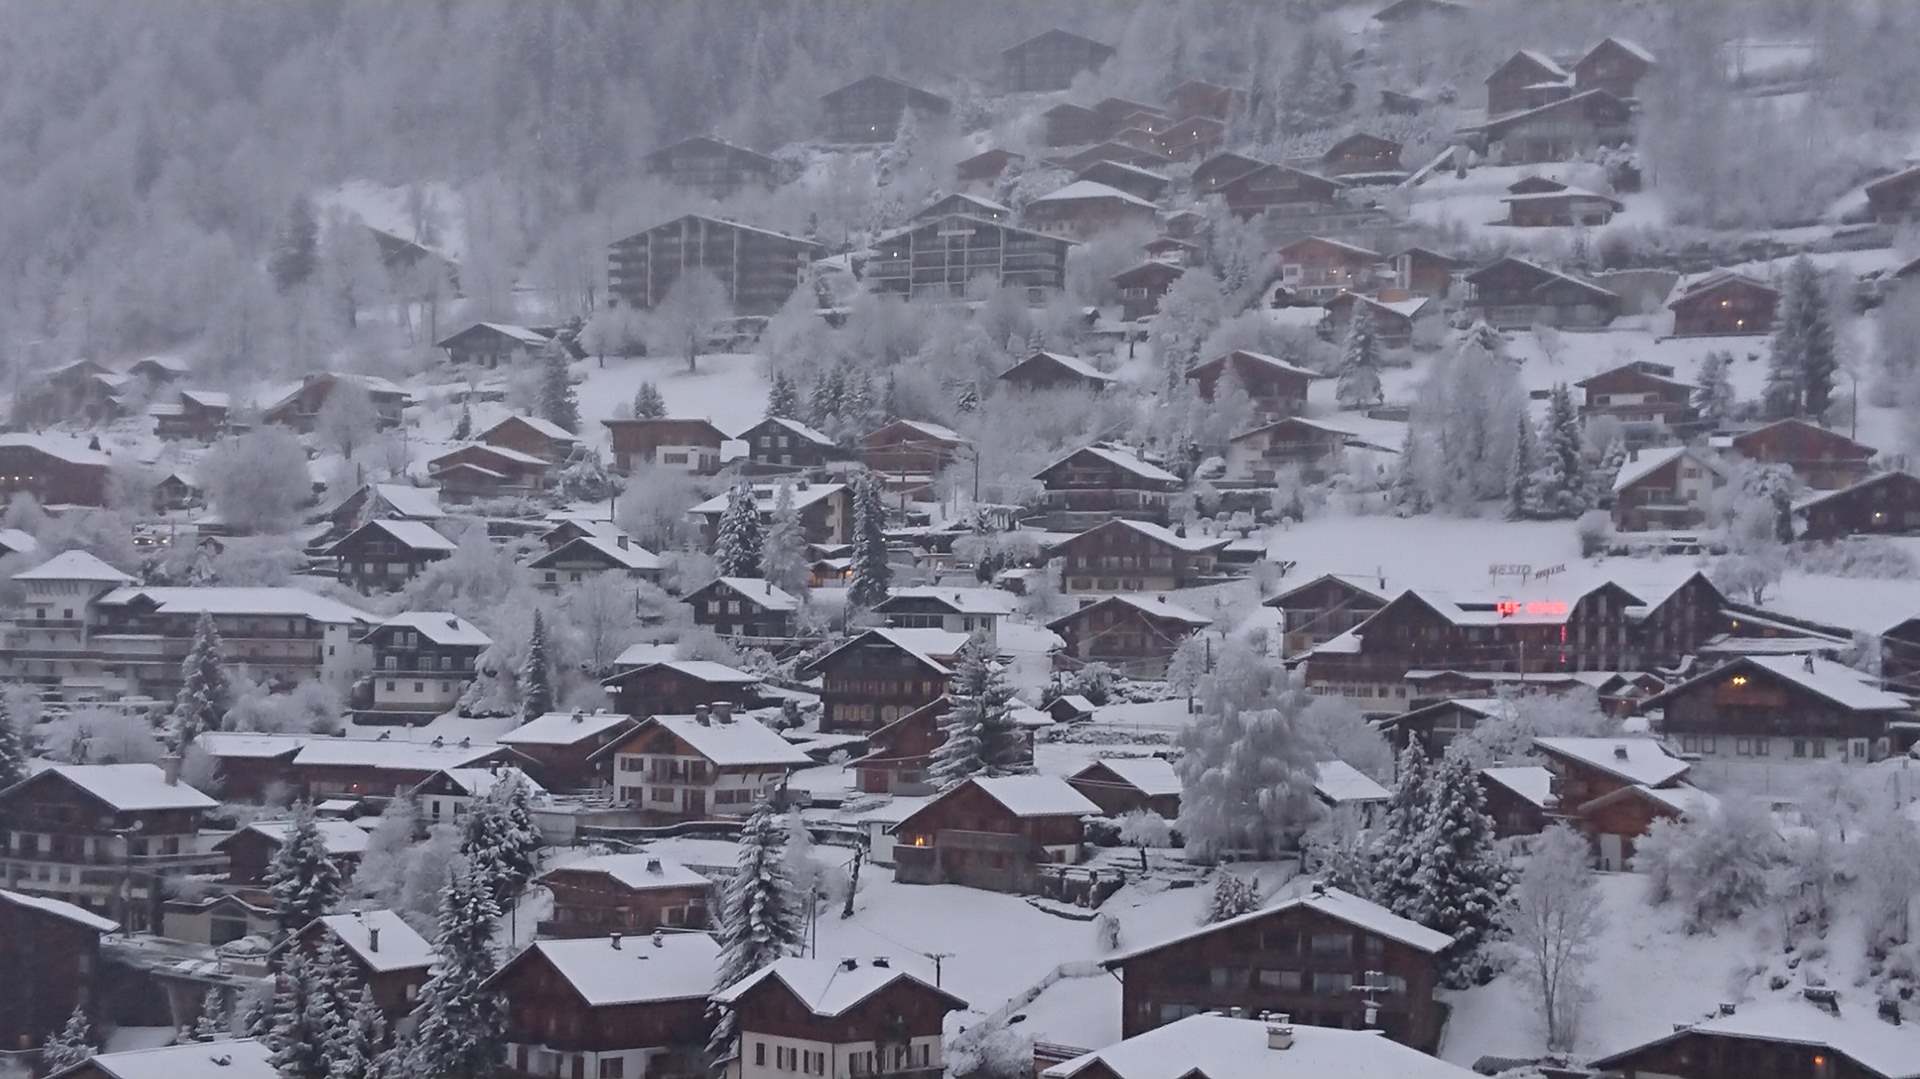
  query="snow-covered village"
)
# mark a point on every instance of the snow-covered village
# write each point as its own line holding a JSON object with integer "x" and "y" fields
{"x": 967, "y": 539}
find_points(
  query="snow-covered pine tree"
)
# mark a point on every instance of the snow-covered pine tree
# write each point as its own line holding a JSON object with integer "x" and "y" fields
{"x": 558, "y": 404}
{"x": 513, "y": 840}
{"x": 296, "y": 246}
{"x": 13, "y": 752}
{"x": 1461, "y": 876}
{"x": 1601, "y": 478}
{"x": 760, "y": 917}
{"x": 463, "y": 427}
{"x": 256, "y": 1011}
{"x": 1359, "y": 385}
{"x": 1520, "y": 478}
{"x": 205, "y": 690}
{"x": 70, "y": 1045}
{"x": 214, "y": 1023}
{"x": 981, "y": 738}
{"x": 536, "y": 674}
{"x": 1246, "y": 768}
{"x": 1396, "y": 851}
{"x": 872, "y": 575}
{"x": 361, "y": 1039}
{"x": 1560, "y": 483}
{"x": 783, "y": 551}
{"x": 738, "y": 545}
{"x": 1713, "y": 393}
{"x": 1407, "y": 492}
{"x": 647, "y": 402}
{"x": 481, "y": 839}
{"x": 783, "y": 399}
{"x": 858, "y": 407}
{"x": 303, "y": 881}
{"x": 303, "y": 1018}
{"x": 1802, "y": 361}
{"x": 462, "y": 1027}
{"x": 1232, "y": 896}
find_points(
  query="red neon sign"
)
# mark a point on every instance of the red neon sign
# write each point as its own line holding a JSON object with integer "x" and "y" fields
{"x": 1507, "y": 608}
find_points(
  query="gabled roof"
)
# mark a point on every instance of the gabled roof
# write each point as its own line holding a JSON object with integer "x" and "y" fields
{"x": 1640, "y": 369}
{"x": 636, "y": 970}
{"x": 987, "y": 206}
{"x": 127, "y": 788}
{"x": 271, "y": 600}
{"x": 738, "y": 742}
{"x": 804, "y": 495}
{"x": 249, "y": 745}
{"x": 1080, "y": 190}
{"x": 339, "y": 837}
{"x": 756, "y": 591}
{"x": 488, "y": 449}
{"x": 1857, "y": 1033}
{"x": 1495, "y": 126}
{"x": 936, "y": 432}
{"x": 725, "y": 223}
{"x": 637, "y": 872}
{"x": 1341, "y": 906}
{"x": 1160, "y": 534}
{"x": 1548, "y": 277}
{"x": 1339, "y": 782}
{"x": 1861, "y": 449}
{"x": 1121, "y": 458}
{"x": 440, "y": 627}
{"x": 399, "y": 947}
{"x": 630, "y": 556}
{"x": 1348, "y": 438}
{"x": 1627, "y": 45}
{"x": 708, "y": 140}
{"x": 1710, "y": 283}
{"x": 1151, "y": 776}
{"x": 987, "y": 601}
{"x": 479, "y": 782}
{"x": 933, "y": 648}
{"x": 1635, "y": 760}
{"x": 381, "y": 754}
{"x": 61, "y": 447}
{"x": 1836, "y": 683}
{"x": 1538, "y": 59}
{"x": 1680, "y": 799}
{"x": 1352, "y": 249}
{"x": 59, "y": 909}
{"x": 410, "y": 502}
{"x": 1258, "y": 359}
{"x": 413, "y": 535}
{"x": 1650, "y": 461}
{"x": 74, "y": 565}
{"x": 1151, "y": 606}
{"x": 1366, "y": 584}
{"x": 564, "y": 728}
{"x": 1211, "y": 1046}
{"x": 1529, "y": 782}
{"x": 829, "y": 989}
{"x": 1871, "y": 481}
{"x": 519, "y": 334}
{"x": 547, "y": 428}
{"x": 231, "y": 1058}
{"x": 704, "y": 670}
{"x": 1563, "y": 193}
{"x": 1057, "y": 32}
{"x": 794, "y": 426}
{"x": 1079, "y": 367}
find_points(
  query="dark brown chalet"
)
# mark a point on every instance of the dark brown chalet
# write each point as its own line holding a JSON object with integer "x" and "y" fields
{"x": 1115, "y": 110}
{"x": 1281, "y": 189}
{"x": 759, "y": 267}
{"x": 781, "y": 446}
{"x": 1562, "y": 208}
{"x": 1615, "y": 65}
{"x": 1068, "y": 124}
{"x": 477, "y": 470}
{"x": 1893, "y": 199}
{"x": 490, "y": 344}
{"x": 1779, "y": 1034}
{"x": 561, "y": 747}
{"x": 1513, "y": 293}
{"x": 1191, "y": 137}
{"x": 677, "y": 686}
{"x": 385, "y": 555}
{"x": 1277, "y": 387}
{"x": 1822, "y": 459}
{"x": 1393, "y": 320}
{"x": 1197, "y": 97}
{"x": 201, "y": 415}
{"x": 1419, "y": 271}
{"x": 1304, "y": 957}
{"x": 882, "y": 675}
{"x": 533, "y": 436}
{"x": 1664, "y": 488}
{"x": 1724, "y": 304}
{"x": 1132, "y": 179}
{"x": 869, "y": 109}
{"x": 826, "y": 510}
{"x": 898, "y": 754}
{"x": 1142, "y": 287}
{"x": 1319, "y": 610}
{"x": 1644, "y": 396}
{"x": 68, "y": 825}
{"x": 627, "y": 894}
{"x": 612, "y": 1007}
{"x": 1104, "y": 481}
{"x": 1044, "y": 370}
{"x": 51, "y": 953}
{"x": 1361, "y": 154}
{"x": 689, "y": 444}
{"x": 1613, "y": 789}
{"x": 966, "y": 205}
{"x": 1888, "y": 503}
{"x": 300, "y": 407}
{"x": 1436, "y": 724}
{"x": 1316, "y": 269}
{"x": 1519, "y": 798}
{"x": 1221, "y": 169}
{"x": 1049, "y": 60}
{"x": 251, "y": 850}
{"x": 743, "y": 607}
{"x": 1084, "y": 209}
{"x": 1528, "y": 79}
{"x": 1784, "y": 710}
{"x": 908, "y": 454}
{"x": 800, "y": 1016}
{"x": 947, "y": 258}
{"x": 998, "y": 834}
{"x": 710, "y": 765}
{"x": 1145, "y": 157}
{"x": 54, "y": 469}
{"x": 1134, "y": 634}
{"x": 1134, "y": 556}
{"x": 1122, "y": 785}
{"x": 247, "y": 764}
{"x": 388, "y": 956}
{"x": 714, "y": 168}
{"x": 986, "y": 165}
{"x": 1560, "y": 130}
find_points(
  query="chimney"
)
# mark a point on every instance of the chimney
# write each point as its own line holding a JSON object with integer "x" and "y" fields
{"x": 849, "y": 964}
{"x": 653, "y": 865}
{"x": 1319, "y": 889}
{"x": 1726, "y": 1007}
{"x": 614, "y": 939}
{"x": 1807, "y": 662}
{"x": 1280, "y": 1032}
{"x": 883, "y": 962}
{"x": 578, "y": 716}
{"x": 373, "y": 938}
{"x": 659, "y": 939}
{"x": 1620, "y": 752}
{"x": 453, "y": 623}
{"x": 700, "y": 715}
{"x": 466, "y": 742}
{"x": 170, "y": 768}
{"x": 723, "y": 711}
{"x": 438, "y": 741}
{"x": 621, "y": 539}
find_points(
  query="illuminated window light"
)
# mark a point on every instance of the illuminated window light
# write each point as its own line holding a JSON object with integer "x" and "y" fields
{"x": 1739, "y": 679}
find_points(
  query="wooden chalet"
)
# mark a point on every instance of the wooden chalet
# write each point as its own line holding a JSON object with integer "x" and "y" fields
{"x": 711, "y": 166}
{"x": 1142, "y": 287}
{"x": 1043, "y": 370}
{"x": 1314, "y": 612}
{"x": 1564, "y": 130}
{"x": 50, "y": 950}
{"x": 1668, "y": 487}
{"x": 908, "y": 454}
{"x": 944, "y": 259}
{"x": 609, "y": 1006}
{"x": 1894, "y": 199}
{"x": 490, "y": 344}
{"x": 1191, "y": 137}
{"x": 1050, "y": 60}
{"x": 386, "y": 954}
{"x": 1526, "y": 80}
{"x": 869, "y": 110}
{"x": 1131, "y": 179}
{"x": 1122, "y": 785}
{"x": 386, "y": 767}
{"x": 1402, "y": 12}
{"x": 534, "y": 437}
{"x": 1221, "y": 169}
{"x": 826, "y": 510}
{"x": 1115, "y": 110}
{"x": 1418, "y": 271}
{"x": 987, "y": 165}
{"x": 422, "y": 662}
{"x": 1436, "y": 724}
{"x": 384, "y": 555}
{"x": 964, "y": 204}
{"x": 1146, "y": 157}
{"x": 200, "y": 415}
{"x": 1822, "y": 459}
{"x": 54, "y": 469}
{"x": 560, "y": 748}
{"x": 1122, "y": 555}
{"x": 251, "y": 850}
{"x": 68, "y": 824}
{"x": 1084, "y": 209}
{"x": 1512, "y": 293}
{"x": 478, "y": 470}
{"x": 624, "y": 895}
{"x": 83, "y": 390}
{"x": 798, "y": 1016}
{"x": 1134, "y": 634}
{"x": 1278, "y": 388}
{"x": 300, "y": 406}
{"x": 1841, "y": 1033}
{"x": 1304, "y": 957}
{"x": 758, "y": 267}
{"x": 1394, "y": 321}
{"x": 1724, "y": 304}
{"x": 1567, "y": 207}
{"x": 1780, "y": 710}
{"x": 976, "y": 612}
{"x": 1317, "y": 269}
{"x": 998, "y": 834}
{"x": 743, "y": 607}
{"x": 677, "y": 686}
{"x": 246, "y": 764}
{"x": 1616, "y": 65}
{"x": 1281, "y": 190}
{"x": 160, "y": 370}
{"x": 882, "y": 674}
{"x": 1067, "y": 124}
{"x": 1519, "y": 798}
{"x": 1101, "y": 481}
{"x": 704, "y": 766}
{"x": 1362, "y": 154}
{"x": 1650, "y": 404}
{"x": 602, "y": 560}
{"x": 1613, "y": 789}
{"x": 1887, "y": 503}
{"x": 899, "y": 753}
{"x": 1197, "y": 97}
{"x": 778, "y": 445}
{"x": 690, "y": 445}
{"x": 382, "y": 502}
{"x": 232, "y": 1058}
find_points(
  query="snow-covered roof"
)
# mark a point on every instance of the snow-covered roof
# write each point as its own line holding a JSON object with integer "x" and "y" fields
{"x": 765, "y": 493}
{"x": 232, "y": 1058}
{"x": 666, "y": 966}
{"x": 518, "y": 333}
{"x": 1072, "y": 363}
{"x": 272, "y": 600}
{"x": 1857, "y": 1032}
{"x": 629, "y": 555}
{"x": 60, "y": 909}
{"x": 66, "y": 449}
{"x": 1163, "y": 534}
{"x": 563, "y": 728}
{"x": 73, "y": 566}
{"x": 1684, "y": 799}
{"x": 1090, "y": 189}
{"x": 827, "y": 988}
{"x": 704, "y": 670}
{"x": 1151, "y": 776}
{"x": 1332, "y": 902}
{"x": 1836, "y": 682}
{"x": 1276, "y": 363}
{"x": 1629, "y": 45}
{"x": 1877, "y": 478}
{"x": 1339, "y": 782}
{"x": 234, "y": 745}
{"x": 413, "y": 503}
{"x": 1650, "y": 461}
{"x": 129, "y": 787}
{"x": 17, "y": 541}
{"x": 399, "y": 947}
{"x": 479, "y": 782}
{"x": 547, "y": 428}
{"x": 1636, "y": 760}
{"x": 1220, "y": 1047}
{"x": 1122, "y": 458}
{"x": 393, "y": 754}
{"x": 414, "y": 535}
{"x": 207, "y": 398}
{"x": 738, "y": 742}
{"x": 991, "y": 601}
{"x": 1075, "y": 701}
{"x": 1529, "y": 781}
{"x": 1122, "y": 166}
{"x": 933, "y": 430}
{"x": 1037, "y": 796}
{"x": 1562, "y": 193}
{"x": 761, "y": 593}
{"x": 933, "y": 647}
{"x": 812, "y": 435}
{"x": 337, "y": 836}
{"x": 440, "y": 627}
{"x": 1158, "y": 607}
{"x": 505, "y": 453}
{"x": 637, "y": 872}
{"x": 1545, "y": 61}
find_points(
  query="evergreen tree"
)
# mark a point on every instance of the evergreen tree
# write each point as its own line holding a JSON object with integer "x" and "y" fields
{"x": 1232, "y": 897}
{"x": 647, "y": 402}
{"x": 1359, "y": 385}
{"x": 558, "y": 404}
{"x": 782, "y": 398}
{"x": 296, "y": 246}
{"x": 738, "y": 546}
{"x": 761, "y": 918}
{"x": 858, "y": 407}
{"x": 1520, "y": 479}
{"x": 1560, "y": 483}
{"x": 214, "y": 1022}
{"x": 463, "y": 427}
{"x": 13, "y": 753}
{"x": 871, "y": 572}
{"x": 70, "y": 1045}
{"x": 1713, "y": 396}
{"x": 256, "y": 1012}
{"x": 205, "y": 690}
{"x": 500, "y": 840}
{"x": 1603, "y": 473}
{"x": 1802, "y": 361}
{"x": 462, "y": 1027}
{"x": 1460, "y": 878}
{"x": 1397, "y": 848}
{"x": 536, "y": 674}
{"x": 303, "y": 881}
{"x": 783, "y": 552}
{"x": 1407, "y": 493}
{"x": 981, "y": 738}
{"x": 303, "y": 1017}
{"x": 361, "y": 1040}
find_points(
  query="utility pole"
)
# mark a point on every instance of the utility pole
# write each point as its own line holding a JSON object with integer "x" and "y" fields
{"x": 853, "y": 884}
{"x": 937, "y": 957}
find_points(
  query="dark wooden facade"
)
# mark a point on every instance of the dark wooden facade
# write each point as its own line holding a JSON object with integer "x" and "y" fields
{"x": 1361, "y": 153}
{"x": 1044, "y": 370}
{"x": 1067, "y": 124}
{"x": 759, "y": 268}
{"x": 869, "y": 109}
{"x": 1888, "y": 503}
{"x": 1319, "y": 610}
{"x": 1142, "y": 287}
{"x": 1724, "y": 305}
{"x": 1893, "y": 199}
{"x": 1117, "y": 796}
{"x": 968, "y": 837}
{"x": 1645, "y": 397}
{"x": 1221, "y": 169}
{"x": 742, "y": 607}
{"x": 945, "y": 258}
{"x": 1822, "y": 459}
{"x": 301, "y": 408}
{"x": 1513, "y": 293}
{"x": 534, "y": 438}
{"x": 569, "y": 758}
{"x": 1093, "y": 483}
{"x": 1613, "y": 65}
{"x": 1771, "y": 708}
{"x": 689, "y": 444}
{"x": 1050, "y": 61}
{"x": 381, "y": 556}
{"x": 908, "y": 454}
{"x": 1418, "y": 271}
{"x": 1526, "y": 80}
{"x": 594, "y": 898}
{"x": 1131, "y": 634}
{"x": 1317, "y": 269}
{"x": 873, "y": 680}
{"x": 250, "y": 852}
{"x": 714, "y": 168}
{"x": 898, "y": 753}
{"x": 1138, "y": 182}
{"x": 548, "y": 1016}
{"x": 780, "y": 446}
{"x": 1511, "y": 810}
{"x": 986, "y": 165}
{"x": 1123, "y": 555}
{"x": 491, "y": 344}
{"x": 1197, "y": 97}
{"x": 1705, "y": 1053}
{"x": 902, "y": 1019}
{"x": 1277, "y": 387}
{"x": 1562, "y": 130}
{"x": 1280, "y": 189}
{"x": 677, "y": 688}
{"x": 200, "y": 415}
{"x": 51, "y": 471}
{"x": 1561, "y": 209}
{"x": 51, "y": 953}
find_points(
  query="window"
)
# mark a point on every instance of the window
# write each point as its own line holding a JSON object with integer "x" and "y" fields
{"x": 1819, "y": 748}
{"x": 613, "y": 1067}
{"x": 1326, "y": 984}
{"x": 1332, "y": 944}
{"x": 661, "y": 794}
{"x": 1799, "y": 747}
{"x": 759, "y": 1053}
{"x": 1224, "y": 977}
{"x": 1287, "y": 981}
{"x": 1743, "y": 747}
